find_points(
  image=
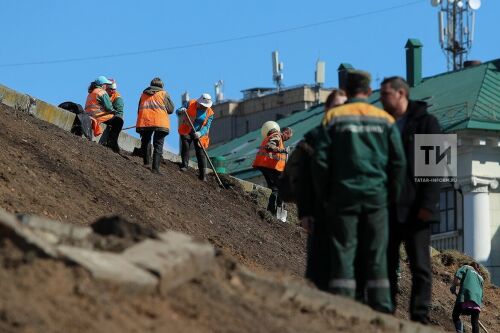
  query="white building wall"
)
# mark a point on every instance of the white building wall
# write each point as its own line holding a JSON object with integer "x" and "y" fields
{"x": 494, "y": 262}
{"x": 478, "y": 180}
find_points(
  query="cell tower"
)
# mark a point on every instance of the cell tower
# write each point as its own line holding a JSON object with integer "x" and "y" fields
{"x": 456, "y": 29}
{"x": 277, "y": 71}
{"x": 219, "y": 94}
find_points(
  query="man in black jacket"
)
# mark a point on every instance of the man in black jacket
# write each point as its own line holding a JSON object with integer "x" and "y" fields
{"x": 418, "y": 205}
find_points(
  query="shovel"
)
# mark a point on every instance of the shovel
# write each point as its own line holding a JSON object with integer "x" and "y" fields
{"x": 281, "y": 213}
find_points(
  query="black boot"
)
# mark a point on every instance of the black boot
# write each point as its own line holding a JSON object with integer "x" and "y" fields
{"x": 156, "y": 164}
{"x": 202, "y": 176}
{"x": 146, "y": 157}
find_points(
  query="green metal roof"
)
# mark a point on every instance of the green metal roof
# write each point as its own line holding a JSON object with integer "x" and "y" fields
{"x": 465, "y": 99}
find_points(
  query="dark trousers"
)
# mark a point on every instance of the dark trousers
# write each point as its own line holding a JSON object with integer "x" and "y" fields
{"x": 158, "y": 140}
{"x": 115, "y": 124}
{"x": 417, "y": 236}
{"x": 186, "y": 141}
{"x": 474, "y": 318}
{"x": 318, "y": 256}
{"x": 271, "y": 176}
{"x": 360, "y": 239}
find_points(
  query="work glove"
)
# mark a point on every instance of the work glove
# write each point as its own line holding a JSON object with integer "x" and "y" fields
{"x": 453, "y": 289}
{"x": 180, "y": 111}
{"x": 197, "y": 135}
{"x": 283, "y": 151}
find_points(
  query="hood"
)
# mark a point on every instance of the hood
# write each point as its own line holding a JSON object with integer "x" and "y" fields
{"x": 417, "y": 108}
{"x": 152, "y": 90}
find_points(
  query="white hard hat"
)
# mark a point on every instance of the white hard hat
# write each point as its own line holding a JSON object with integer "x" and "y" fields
{"x": 269, "y": 125}
{"x": 113, "y": 83}
{"x": 205, "y": 100}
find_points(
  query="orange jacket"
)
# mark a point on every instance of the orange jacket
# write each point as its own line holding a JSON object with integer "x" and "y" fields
{"x": 185, "y": 127}
{"x": 95, "y": 108}
{"x": 152, "y": 112}
{"x": 270, "y": 159}
{"x": 115, "y": 95}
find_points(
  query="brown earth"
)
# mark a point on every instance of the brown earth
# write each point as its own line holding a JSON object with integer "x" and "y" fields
{"x": 49, "y": 172}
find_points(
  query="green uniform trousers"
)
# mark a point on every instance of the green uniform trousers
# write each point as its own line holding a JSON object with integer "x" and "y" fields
{"x": 360, "y": 235}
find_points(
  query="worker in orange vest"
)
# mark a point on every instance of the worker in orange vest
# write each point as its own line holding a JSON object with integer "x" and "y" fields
{"x": 100, "y": 109}
{"x": 118, "y": 105}
{"x": 201, "y": 115}
{"x": 153, "y": 121}
{"x": 271, "y": 160}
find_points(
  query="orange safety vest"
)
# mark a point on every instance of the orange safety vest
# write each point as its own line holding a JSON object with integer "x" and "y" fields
{"x": 152, "y": 111}
{"x": 93, "y": 106}
{"x": 270, "y": 159}
{"x": 115, "y": 95}
{"x": 185, "y": 127}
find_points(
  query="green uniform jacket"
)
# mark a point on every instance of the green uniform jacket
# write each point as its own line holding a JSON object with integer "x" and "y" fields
{"x": 118, "y": 105}
{"x": 105, "y": 101}
{"x": 471, "y": 285}
{"x": 366, "y": 161}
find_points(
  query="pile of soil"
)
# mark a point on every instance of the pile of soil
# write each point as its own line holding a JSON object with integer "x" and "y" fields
{"x": 444, "y": 266}
{"x": 47, "y": 171}
{"x": 44, "y": 295}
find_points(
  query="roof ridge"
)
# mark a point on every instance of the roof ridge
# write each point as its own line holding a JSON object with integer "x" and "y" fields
{"x": 479, "y": 106}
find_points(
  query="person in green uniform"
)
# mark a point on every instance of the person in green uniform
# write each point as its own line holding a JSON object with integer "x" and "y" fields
{"x": 118, "y": 105}
{"x": 365, "y": 171}
{"x": 469, "y": 297}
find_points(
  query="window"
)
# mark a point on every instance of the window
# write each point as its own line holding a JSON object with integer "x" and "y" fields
{"x": 448, "y": 221}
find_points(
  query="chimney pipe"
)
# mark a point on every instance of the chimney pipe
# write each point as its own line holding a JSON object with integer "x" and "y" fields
{"x": 413, "y": 62}
{"x": 342, "y": 70}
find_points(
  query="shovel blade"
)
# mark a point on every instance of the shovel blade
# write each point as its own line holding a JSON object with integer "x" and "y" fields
{"x": 281, "y": 214}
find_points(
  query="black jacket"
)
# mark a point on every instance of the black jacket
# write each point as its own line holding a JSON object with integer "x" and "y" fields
{"x": 422, "y": 194}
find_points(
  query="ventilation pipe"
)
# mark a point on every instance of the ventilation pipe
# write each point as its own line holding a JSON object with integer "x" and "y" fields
{"x": 413, "y": 62}
{"x": 343, "y": 69}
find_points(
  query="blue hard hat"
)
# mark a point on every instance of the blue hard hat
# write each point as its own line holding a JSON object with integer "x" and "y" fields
{"x": 102, "y": 80}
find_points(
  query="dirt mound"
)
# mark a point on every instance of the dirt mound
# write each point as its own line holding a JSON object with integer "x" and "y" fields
{"x": 44, "y": 295}
{"x": 46, "y": 171}
{"x": 49, "y": 172}
{"x": 444, "y": 266}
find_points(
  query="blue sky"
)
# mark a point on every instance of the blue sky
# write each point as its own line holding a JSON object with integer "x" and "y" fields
{"x": 52, "y": 32}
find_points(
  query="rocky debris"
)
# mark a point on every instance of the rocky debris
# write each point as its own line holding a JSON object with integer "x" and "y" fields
{"x": 109, "y": 267}
{"x": 115, "y": 234}
{"x": 152, "y": 261}
{"x": 175, "y": 259}
{"x": 313, "y": 300}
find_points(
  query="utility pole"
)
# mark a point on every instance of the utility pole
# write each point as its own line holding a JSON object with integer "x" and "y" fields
{"x": 456, "y": 29}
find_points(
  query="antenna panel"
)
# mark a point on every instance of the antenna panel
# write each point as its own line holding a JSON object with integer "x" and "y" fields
{"x": 320, "y": 73}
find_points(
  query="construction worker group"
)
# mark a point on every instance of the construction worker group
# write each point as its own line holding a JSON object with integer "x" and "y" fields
{"x": 356, "y": 191}
{"x": 105, "y": 105}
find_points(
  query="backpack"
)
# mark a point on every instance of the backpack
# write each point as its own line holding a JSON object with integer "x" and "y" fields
{"x": 82, "y": 124}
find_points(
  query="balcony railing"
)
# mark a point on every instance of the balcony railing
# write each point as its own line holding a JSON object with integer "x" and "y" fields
{"x": 451, "y": 240}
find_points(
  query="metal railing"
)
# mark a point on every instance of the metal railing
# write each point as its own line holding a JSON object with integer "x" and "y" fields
{"x": 451, "y": 240}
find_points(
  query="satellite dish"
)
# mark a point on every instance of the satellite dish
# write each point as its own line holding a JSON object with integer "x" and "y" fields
{"x": 475, "y": 4}
{"x": 435, "y": 3}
